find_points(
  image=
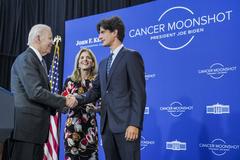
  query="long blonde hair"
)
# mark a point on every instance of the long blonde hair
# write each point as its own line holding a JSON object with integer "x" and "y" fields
{"x": 76, "y": 74}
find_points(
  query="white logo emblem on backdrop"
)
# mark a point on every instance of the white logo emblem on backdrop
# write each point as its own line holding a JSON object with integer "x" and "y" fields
{"x": 146, "y": 110}
{"x": 149, "y": 76}
{"x": 177, "y": 26}
{"x": 218, "y": 109}
{"x": 176, "y": 109}
{"x": 217, "y": 70}
{"x": 176, "y": 146}
{"x": 145, "y": 143}
{"x": 219, "y": 147}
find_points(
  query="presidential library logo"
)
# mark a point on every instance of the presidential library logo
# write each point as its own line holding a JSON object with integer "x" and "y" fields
{"x": 177, "y": 26}
{"x": 218, "y": 109}
{"x": 176, "y": 145}
{"x": 88, "y": 42}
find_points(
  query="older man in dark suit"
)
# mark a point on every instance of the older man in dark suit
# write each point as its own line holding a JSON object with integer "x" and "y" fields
{"x": 33, "y": 101}
{"x": 121, "y": 85}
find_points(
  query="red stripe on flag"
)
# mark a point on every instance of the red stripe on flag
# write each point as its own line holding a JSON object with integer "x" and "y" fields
{"x": 51, "y": 147}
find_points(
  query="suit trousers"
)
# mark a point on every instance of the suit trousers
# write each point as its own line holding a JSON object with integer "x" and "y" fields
{"x": 116, "y": 147}
{"x": 25, "y": 150}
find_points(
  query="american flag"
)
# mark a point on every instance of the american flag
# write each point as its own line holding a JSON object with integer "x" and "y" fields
{"x": 51, "y": 147}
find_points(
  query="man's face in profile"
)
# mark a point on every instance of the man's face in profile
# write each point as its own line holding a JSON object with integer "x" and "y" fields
{"x": 46, "y": 42}
{"x": 106, "y": 36}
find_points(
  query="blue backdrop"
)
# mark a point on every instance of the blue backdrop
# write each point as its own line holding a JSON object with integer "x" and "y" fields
{"x": 191, "y": 55}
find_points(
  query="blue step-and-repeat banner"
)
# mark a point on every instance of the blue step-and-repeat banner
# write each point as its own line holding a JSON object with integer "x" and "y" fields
{"x": 191, "y": 51}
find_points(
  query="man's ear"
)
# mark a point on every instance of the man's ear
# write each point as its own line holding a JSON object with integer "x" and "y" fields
{"x": 115, "y": 32}
{"x": 37, "y": 39}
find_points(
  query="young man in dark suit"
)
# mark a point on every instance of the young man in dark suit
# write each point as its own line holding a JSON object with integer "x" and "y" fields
{"x": 121, "y": 85}
{"x": 34, "y": 103}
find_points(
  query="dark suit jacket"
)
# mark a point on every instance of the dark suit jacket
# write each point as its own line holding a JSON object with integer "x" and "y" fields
{"x": 33, "y": 101}
{"x": 123, "y": 93}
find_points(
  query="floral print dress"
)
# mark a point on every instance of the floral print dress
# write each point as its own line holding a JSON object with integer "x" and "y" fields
{"x": 80, "y": 133}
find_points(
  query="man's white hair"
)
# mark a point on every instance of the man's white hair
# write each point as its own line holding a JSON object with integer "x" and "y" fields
{"x": 35, "y": 31}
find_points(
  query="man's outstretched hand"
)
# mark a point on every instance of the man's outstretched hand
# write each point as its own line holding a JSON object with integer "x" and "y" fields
{"x": 71, "y": 101}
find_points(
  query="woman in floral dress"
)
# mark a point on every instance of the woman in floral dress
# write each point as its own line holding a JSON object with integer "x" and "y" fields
{"x": 80, "y": 133}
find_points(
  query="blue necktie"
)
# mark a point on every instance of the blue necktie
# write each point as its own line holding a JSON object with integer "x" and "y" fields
{"x": 44, "y": 65}
{"x": 109, "y": 63}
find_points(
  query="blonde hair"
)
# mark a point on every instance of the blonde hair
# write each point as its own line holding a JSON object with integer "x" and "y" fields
{"x": 76, "y": 74}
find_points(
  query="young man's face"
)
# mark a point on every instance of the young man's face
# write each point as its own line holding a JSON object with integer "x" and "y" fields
{"x": 107, "y": 37}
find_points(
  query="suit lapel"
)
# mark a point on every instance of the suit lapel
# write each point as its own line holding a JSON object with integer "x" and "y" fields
{"x": 42, "y": 70}
{"x": 104, "y": 71}
{"x": 115, "y": 64}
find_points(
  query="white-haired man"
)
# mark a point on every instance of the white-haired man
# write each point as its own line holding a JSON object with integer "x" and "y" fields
{"x": 34, "y": 103}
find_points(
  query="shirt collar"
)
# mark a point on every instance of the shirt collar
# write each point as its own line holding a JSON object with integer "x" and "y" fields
{"x": 115, "y": 51}
{"x": 37, "y": 53}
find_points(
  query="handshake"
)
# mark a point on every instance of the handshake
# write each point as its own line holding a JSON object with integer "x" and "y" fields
{"x": 71, "y": 101}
